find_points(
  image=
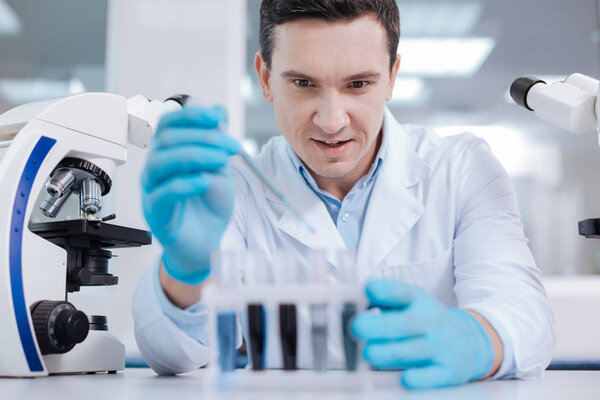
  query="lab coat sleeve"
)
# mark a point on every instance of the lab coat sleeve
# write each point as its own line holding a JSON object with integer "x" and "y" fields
{"x": 495, "y": 272}
{"x": 161, "y": 334}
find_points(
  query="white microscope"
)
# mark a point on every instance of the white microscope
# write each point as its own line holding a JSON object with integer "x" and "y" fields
{"x": 49, "y": 151}
{"x": 571, "y": 105}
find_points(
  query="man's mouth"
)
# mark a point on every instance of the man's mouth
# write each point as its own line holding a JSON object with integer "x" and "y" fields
{"x": 333, "y": 144}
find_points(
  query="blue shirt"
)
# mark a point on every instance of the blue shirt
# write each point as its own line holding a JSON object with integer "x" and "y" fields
{"x": 349, "y": 214}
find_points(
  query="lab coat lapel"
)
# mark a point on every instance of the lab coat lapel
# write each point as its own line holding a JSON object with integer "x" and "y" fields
{"x": 392, "y": 210}
{"x": 312, "y": 208}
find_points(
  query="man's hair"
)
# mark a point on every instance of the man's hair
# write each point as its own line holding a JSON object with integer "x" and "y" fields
{"x": 276, "y": 12}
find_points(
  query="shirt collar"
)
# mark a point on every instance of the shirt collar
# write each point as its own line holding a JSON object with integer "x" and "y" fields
{"x": 371, "y": 174}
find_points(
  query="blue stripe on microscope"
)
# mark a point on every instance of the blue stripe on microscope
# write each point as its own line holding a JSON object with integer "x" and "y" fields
{"x": 32, "y": 167}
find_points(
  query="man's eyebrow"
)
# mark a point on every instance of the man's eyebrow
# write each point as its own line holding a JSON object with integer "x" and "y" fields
{"x": 363, "y": 76}
{"x": 356, "y": 77}
{"x": 295, "y": 74}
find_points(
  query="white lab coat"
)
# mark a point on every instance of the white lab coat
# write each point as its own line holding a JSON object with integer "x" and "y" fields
{"x": 442, "y": 215}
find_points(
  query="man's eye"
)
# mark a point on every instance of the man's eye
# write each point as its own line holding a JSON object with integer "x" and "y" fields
{"x": 359, "y": 84}
{"x": 302, "y": 82}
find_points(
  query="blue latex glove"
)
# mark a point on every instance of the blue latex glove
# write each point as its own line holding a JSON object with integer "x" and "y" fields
{"x": 187, "y": 190}
{"x": 436, "y": 346}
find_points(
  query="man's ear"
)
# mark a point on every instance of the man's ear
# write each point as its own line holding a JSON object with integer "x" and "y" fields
{"x": 393, "y": 74}
{"x": 264, "y": 76}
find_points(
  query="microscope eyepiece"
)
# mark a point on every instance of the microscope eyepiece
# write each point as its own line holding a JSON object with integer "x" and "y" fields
{"x": 520, "y": 88}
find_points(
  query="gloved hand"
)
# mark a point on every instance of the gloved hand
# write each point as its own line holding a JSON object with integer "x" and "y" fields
{"x": 436, "y": 346}
{"x": 187, "y": 190}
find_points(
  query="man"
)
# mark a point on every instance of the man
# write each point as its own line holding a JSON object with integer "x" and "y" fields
{"x": 438, "y": 214}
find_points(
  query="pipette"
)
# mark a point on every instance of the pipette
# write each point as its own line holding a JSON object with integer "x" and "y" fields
{"x": 188, "y": 101}
{"x": 274, "y": 188}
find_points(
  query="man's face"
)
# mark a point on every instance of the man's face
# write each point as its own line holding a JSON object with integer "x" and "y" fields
{"x": 328, "y": 83}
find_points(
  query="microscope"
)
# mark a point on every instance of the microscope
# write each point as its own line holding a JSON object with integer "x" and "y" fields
{"x": 50, "y": 152}
{"x": 571, "y": 105}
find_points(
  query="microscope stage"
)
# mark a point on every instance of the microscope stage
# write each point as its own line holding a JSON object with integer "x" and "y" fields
{"x": 108, "y": 235}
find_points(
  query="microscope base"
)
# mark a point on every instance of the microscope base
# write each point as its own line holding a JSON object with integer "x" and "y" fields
{"x": 101, "y": 351}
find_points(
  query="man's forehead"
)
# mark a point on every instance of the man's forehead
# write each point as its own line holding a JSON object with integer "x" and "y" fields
{"x": 310, "y": 41}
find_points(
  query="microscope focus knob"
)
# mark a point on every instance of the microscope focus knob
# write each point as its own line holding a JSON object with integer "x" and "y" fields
{"x": 58, "y": 325}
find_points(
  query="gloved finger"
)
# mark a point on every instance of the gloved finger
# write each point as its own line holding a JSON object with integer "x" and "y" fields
{"x": 399, "y": 354}
{"x": 391, "y": 293}
{"x": 394, "y": 325}
{"x": 198, "y": 117}
{"x": 165, "y": 197}
{"x": 433, "y": 376}
{"x": 181, "y": 161}
{"x": 172, "y": 137}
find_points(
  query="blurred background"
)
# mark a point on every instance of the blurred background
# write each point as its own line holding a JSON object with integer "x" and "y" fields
{"x": 459, "y": 58}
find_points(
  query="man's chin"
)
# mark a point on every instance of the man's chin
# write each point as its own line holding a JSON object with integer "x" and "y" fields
{"x": 332, "y": 173}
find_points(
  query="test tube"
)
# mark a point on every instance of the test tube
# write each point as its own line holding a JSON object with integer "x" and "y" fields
{"x": 225, "y": 268}
{"x": 257, "y": 332}
{"x": 286, "y": 268}
{"x": 350, "y": 344}
{"x": 315, "y": 268}
{"x": 289, "y": 337}
{"x": 318, "y": 312}
{"x": 348, "y": 271}
{"x": 226, "y": 335}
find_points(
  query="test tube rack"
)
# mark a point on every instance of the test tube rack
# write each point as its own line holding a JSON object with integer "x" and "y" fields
{"x": 336, "y": 297}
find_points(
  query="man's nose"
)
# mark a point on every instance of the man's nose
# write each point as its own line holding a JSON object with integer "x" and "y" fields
{"x": 331, "y": 115}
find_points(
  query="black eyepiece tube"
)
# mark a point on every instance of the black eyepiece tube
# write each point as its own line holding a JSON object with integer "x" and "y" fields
{"x": 520, "y": 89}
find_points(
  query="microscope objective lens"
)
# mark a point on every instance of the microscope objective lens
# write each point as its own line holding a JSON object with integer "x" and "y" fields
{"x": 60, "y": 182}
{"x": 90, "y": 196}
{"x": 51, "y": 205}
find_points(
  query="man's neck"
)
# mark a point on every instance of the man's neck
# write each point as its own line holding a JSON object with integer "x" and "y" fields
{"x": 339, "y": 187}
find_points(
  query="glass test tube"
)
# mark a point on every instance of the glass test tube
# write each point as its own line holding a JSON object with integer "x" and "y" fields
{"x": 316, "y": 269}
{"x": 288, "y": 331}
{"x": 226, "y": 335}
{"x": 350, "y": 344}
{"x": 257, "y": 332}
{"x": 318, "y": 312}
{"x": 349, "y": 276}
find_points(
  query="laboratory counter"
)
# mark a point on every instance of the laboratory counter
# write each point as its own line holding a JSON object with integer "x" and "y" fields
{"x": 143, "y": 383}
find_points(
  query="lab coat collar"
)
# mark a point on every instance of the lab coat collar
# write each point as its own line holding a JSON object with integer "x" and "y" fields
{"x": 391, "y": 212}
{"x": 307, "y": 202}
{"x": 393, "y": 209}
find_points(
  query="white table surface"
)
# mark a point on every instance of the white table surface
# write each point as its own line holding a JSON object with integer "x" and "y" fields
{"x": 144, "y": 384}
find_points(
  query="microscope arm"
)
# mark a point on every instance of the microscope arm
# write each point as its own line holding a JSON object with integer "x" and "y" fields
{"x": 143, "y": 118}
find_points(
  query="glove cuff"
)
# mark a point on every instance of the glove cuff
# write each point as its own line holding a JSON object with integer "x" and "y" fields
{"x": 192, "y": 278}
{"x": 484, "y": 357}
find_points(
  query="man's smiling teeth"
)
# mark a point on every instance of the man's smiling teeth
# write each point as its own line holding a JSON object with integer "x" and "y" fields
{"x": 334, "y": 144}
